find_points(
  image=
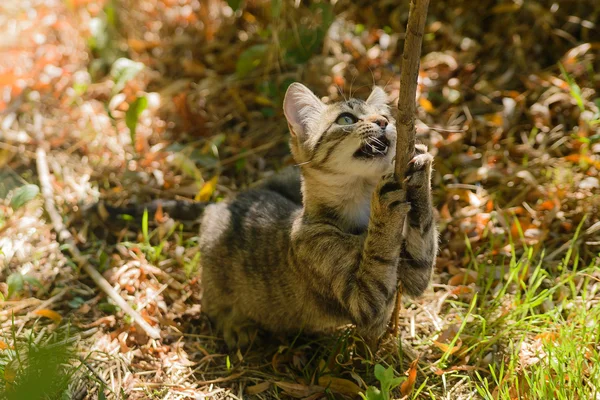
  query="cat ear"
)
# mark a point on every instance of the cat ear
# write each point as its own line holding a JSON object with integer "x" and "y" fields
{"x": 378, "y": 97}
{"x": 301, "y": 108}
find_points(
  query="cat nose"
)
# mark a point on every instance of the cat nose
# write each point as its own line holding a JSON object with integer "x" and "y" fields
{"x": 380, "y": 121}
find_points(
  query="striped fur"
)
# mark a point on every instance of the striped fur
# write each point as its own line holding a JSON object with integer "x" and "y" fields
{"x": 321, "y": 246}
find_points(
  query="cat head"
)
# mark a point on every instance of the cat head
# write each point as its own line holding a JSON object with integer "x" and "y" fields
{"x": 353, "y": 137}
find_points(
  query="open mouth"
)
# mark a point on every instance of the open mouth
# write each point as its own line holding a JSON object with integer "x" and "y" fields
{"x": 373, "y": 147}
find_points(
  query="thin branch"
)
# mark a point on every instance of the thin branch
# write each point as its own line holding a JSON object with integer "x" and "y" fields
{"x": 65, "y": 237}
{"x": 405, "y": 126}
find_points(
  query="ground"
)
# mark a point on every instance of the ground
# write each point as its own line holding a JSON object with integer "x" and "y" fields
{"x": 136, "y": 100}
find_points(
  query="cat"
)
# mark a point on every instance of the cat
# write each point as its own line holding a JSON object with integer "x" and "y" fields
{"x": 321, "y": 245}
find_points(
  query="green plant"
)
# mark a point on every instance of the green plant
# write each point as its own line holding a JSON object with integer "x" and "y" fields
{"x": 387, "y": 382}
{"x": 38, "y": 365}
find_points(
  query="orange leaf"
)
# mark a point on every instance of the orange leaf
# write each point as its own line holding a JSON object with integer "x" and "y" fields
{"x": 446, "y": 348}
{"x": 3, "y": 345}
{"x": 547, "y": 337}
{"x": 463, "y": 278}
{"x": 53, "y": 315}
{"x": 339, "y": 80}
{"x": 159, "y": 215}
{"x": 494, "y": 119}
{"x": 546, "y": 206}
{"x": 426, "y": 105}
{"x": 8, "y": 79}
{"x": 409, "y": 384}
{"x": 574, "y": 158}
{"x": 461, "y": 290}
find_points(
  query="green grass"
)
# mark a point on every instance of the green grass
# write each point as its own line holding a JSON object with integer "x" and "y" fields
{"x": 38, "y": 363}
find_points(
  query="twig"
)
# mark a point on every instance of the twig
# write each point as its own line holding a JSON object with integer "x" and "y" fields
{"x": 66, "y": 238}
{"x": 405, "y": 127}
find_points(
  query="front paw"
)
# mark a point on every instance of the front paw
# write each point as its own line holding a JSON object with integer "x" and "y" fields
{"x": 389, "y": 196}
{"x": 418, "y": 174}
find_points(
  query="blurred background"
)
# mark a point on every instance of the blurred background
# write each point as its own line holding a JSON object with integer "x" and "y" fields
{"x": 140, "y": 99}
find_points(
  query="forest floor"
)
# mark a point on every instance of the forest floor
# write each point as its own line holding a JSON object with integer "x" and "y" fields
{"x": 135, "y": 100}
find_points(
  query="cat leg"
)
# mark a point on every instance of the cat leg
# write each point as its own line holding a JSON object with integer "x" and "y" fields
{"x": 238, "y": 332}
{"x": 419, "y": 248}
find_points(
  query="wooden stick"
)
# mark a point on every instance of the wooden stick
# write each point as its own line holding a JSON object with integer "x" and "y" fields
{"x": 66, "y": 238}
{"x": 405, "y": 124}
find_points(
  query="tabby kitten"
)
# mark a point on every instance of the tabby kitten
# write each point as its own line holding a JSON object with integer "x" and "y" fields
{"x": 323, "y": 245}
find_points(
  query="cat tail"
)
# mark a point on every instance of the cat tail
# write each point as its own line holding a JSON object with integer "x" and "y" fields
{"x": 182, "y": 210}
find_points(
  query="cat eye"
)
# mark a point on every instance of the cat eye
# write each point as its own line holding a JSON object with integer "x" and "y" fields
{"x": 346, "y": 119}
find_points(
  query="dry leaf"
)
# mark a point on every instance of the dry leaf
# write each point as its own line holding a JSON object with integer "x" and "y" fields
{"x": 426, "y": 105}
{"x": 159, "y": 216}
{"x": 340, "y": 385}
{"x": 192, "y": 67}
{"x": 547, "y": 337}
{"x": 408, "y": 385}
{"x": 446, "y": 348}
{"x": 258, "y": 388}
{"x": 461, "y": 290}
{"x": 299, "y": 391}
{"x": 53, "y": 315}
{"x": 463, "y": 278}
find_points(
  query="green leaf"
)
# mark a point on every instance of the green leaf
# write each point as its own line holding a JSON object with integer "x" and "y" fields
{"x": 101, "y": 395}
{"x": 235, "y": 4}
{"x": 573, "y": 88}
{"x": 15, "y": 283}
{"x": 133, "y": 114}
{"x": 76, "y": 302}
{"x": 373, "y": 394}
{"x": 145, "y": 225}
{"x": 23, "y": 195}
{"x": 276, "y": 8}
{"x": 122, "y": 71}
{"x": 33, "y": 281}
{"x": 379, "y": 372}
{"x": 251, "y": 58}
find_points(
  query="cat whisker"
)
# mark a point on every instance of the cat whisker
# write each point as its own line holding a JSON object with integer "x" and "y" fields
{"x": 303, "y": 163}
{"x": 374, "y": 139}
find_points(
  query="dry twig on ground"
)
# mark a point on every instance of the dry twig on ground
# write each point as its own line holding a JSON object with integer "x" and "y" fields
{"x": 66, "y": 238}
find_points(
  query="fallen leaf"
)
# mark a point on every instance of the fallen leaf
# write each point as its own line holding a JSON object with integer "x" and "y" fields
{"x": 547, "y": 337}
{"x": 446, "y": 348}
{"x": 159, "y": 215}
{"x": 258, "y": 388}
{"x": 408, "y": 385}
{"x": 463, "y": 278}
{"x": 207, "y": 189}
{"x": 3, "y": 345}
{"x": 299, "y": 391}
{"x": 547, "y": 205}
{"x": 340, "y": 385}
{"x": 53, "y": 315}
{"x": 426, "y": 105}
{"x": 194, "y": 68}
{"x": 461, "y": 290}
